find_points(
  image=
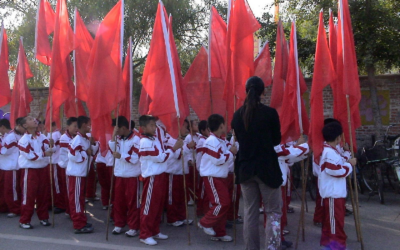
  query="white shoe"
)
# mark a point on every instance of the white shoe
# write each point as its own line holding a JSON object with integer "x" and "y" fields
{"x": 149, "y": 241}
{"x": 117, "y": 230}
{"x": 132, "y": 233}
{"x": 161, "y": 236}
{"x": 186, "y": 222}
{"x": 225, "y": 238}
{"x": 11, "y": 215}
{"x": 191, "y": 202}
{"x": 105, "y": 207}
{"x": 176, "y": 223}
{"x": 208, "y": 231}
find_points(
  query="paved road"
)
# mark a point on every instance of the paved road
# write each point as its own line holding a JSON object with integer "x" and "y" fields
{"x": 380, "y": 224}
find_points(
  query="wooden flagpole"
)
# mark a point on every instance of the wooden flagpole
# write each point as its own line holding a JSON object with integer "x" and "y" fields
{"x": 74, "y": 57}
{"x": 194, "y": 176}
{"x": 233, "y": 181}
{"x": 51, "y": 161}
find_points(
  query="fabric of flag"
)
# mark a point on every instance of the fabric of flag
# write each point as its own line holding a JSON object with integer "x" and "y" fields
{"x": 347, "y": 72}
{"x": 83, "y": 43}
{"x": 73, "y": 107}
{"x": 324, "y": 74}
{"x": 5, "y": 92}
{"x": 240, "y": 42}
{"x": 45, "y": 20}
{"x": 104, "y": 70}
{"x": 280, "y": 69}
{"x": 262, "y": 65}
{"x": 294, "y": 119}
{"x": 126, "y": 104}
{"x": 144, "y": 102}
{"x": 60, "y": 77}
{"x": 21, "y": 96}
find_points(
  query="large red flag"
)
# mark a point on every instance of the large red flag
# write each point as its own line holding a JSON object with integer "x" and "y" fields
{"x": 104, "y": 72}
{"x": 240, "y": 40}
{"x": 294, "y": 119}
{"x": 144, "y": 102}
{"x": 83, "y": 43}
{"x": 60, "y": 77}
{"x": 198, "y": 86}
{"x": 280, "y": 69}
{"x": 21, "y": 96}
{"x": 45, "y": 19}
{"x": 324, "y": 74}
{"x": 262, "y": 65}
{"x": 5, "y": 92}
{"x": 73, "y": 107}
{"x": 347, "y": 72}
{"x": 159, "y": 76}
{"x": 125, "y": 108}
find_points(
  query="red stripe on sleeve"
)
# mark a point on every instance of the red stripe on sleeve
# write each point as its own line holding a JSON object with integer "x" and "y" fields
{"x": 212, "y": 153}
{"x": 13, "y": 144}
{"x": 330, "y": 166}
{"x": 150, "y": 153}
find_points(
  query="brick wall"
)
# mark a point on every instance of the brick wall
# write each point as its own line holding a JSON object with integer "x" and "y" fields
{"x": 388, "y": 83}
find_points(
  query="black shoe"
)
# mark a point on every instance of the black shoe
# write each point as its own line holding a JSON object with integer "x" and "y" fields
{"x": 290, "y": 210}
{"x": 84, "y": 230}
{"x": 287, "y": 244}
{"x": 348, "y": 212}
{"x": 88, "y": 224}
{"x": 45, "y": 223}
{"x": 25, "y": 226}
{"x": 58, "y": 210}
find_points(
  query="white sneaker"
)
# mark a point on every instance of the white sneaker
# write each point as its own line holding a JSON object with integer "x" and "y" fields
{"x": 208, "y": 231}
{"x": 105, "y": 207}
{"x": 161, "y": 236}
{"x": 11, "y": 215}
{"x": 225, "y": 238}
{"x": 149, "y": 241}
{"x": 176, "y": 223}
{"x": 191, "y": 202}
{"x": 117, "y": 230}
{"x": 186, "y": 222}
{"x": 132, "y": 233}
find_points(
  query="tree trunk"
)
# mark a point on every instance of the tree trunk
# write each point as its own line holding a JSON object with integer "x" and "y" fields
{"x": 375, "y": 102}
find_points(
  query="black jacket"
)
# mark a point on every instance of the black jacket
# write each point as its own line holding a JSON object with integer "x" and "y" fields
{"x": 257, "y": 156}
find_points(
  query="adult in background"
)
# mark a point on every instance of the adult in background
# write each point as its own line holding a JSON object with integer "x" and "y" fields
{"x": 257, "y": 170}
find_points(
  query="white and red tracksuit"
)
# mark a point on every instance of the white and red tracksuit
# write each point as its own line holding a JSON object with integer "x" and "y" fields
{"x": 32, "y": 161}
{"x": 319, "y": 210}
{"x": 9, "y": 177}
{"x": 203, "y": 204}
{"x": 126, "y": 204}
{"x": 153, "y": 158}
{"x": 193, "y": 175}
{"x": 287, "y": 156}
{"x": 57, "y": 182}
{"x": 176, "y": 208}
{"x": 235, "y": 196}
{"x": 91, "y": 178}
{"x": 214, "y": 169}
{"x": 104, "y": 169}
{"x": 65, "y": 139}
{"x": 332, "y": 188}
{"x": 76, "y": 172}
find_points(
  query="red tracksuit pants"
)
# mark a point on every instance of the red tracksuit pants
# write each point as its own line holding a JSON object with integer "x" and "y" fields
{"x": 319, "y": 210}
{"x": 59, "y": 187}
{"x": 9, "y": 191}
{"x": 76, "y": 188}
{"x": 91, "y": 182}
{"x": 152, "y": 205}
{"x": 126, "y": 203}
{"x": 218, "y": 194}
{"x": 104, "y": 175}
{"x": 34, "y": 188}
{"x": 176, "y": 208}
{"x": 203, "y": 204}
{"x": 231, "y": 187}
{"x": 333, "y": 234}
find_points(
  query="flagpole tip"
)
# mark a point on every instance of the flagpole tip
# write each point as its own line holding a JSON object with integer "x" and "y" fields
{"x": 322, "y": 10}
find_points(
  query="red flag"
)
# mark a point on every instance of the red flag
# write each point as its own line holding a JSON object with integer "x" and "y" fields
{"x": 324, "y": 74}
{"x": 127, "y": 76}
{"x": 294, "y": 119}
{"x": 262, "y": 65}
{"x": 280, "y": 69}
{"x": 347, "y": 72}
{"x": 240, "y": 40}
{"x": 198, "y": 86}
{"x": 5, "y": 93}
{"x": 73, "y": 107}
{"x": 159, "y": 76}
{"x": 83, "y": 43}
{"x": 21, "y": 96}
{"x": 45, "y": 19}
{"x": 104, "y": 72}
{"x": 60, "y": 77}
{"x": 217, "y": 63}
{"x": 144, "y": 102}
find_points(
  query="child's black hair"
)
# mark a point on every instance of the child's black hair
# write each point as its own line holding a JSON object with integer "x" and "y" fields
{"x": 146, "y": 119}
{"x": 133, "y": 124}
{"x": 214, "y": 121}
{"x": 330, "y": 120}
{"x": 5, "y": 123}
{"x": 71, "y": 120}
{"x": 203, "y": 126}
{"x": 122, "y": 122}
{"x": 82, "y": 120}
{"x": 331, "y": 131}
{"x": 18, "y": 121}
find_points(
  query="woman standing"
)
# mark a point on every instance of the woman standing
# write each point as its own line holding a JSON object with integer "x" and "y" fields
{"x": 257, "y": 130}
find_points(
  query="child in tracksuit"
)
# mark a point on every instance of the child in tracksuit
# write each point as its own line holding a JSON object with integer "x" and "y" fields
{"x": 127, "y": 170}
{"x": 81, "y": 150}
{"x": 214, "y": 170}
{"x": 332, "y": 188}
{"x": 153, "y": 158}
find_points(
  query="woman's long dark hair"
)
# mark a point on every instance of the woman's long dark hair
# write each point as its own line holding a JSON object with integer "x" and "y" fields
{"x": 254, "y": 89}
